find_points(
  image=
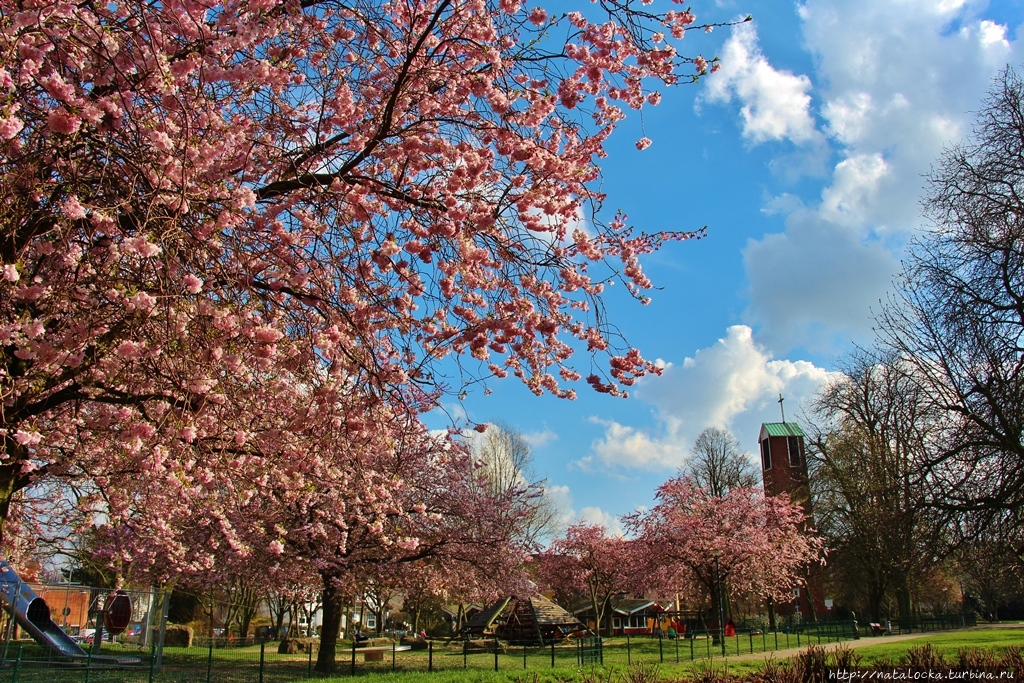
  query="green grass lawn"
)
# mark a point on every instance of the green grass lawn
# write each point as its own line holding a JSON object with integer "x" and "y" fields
{"x": 947, "y": 644}
{"x": 451, "y": 665}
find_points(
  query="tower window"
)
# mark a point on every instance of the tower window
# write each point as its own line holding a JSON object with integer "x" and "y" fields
{"x": 766, "y": 455}
{"x": 796, "y": 451}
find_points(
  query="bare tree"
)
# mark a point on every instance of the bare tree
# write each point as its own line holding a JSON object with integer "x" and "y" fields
{"x": 507, "y": 464}
{"x": 959, "y": 316}
{"x": 718, "y": 465}
{"x": 870, "y": 432}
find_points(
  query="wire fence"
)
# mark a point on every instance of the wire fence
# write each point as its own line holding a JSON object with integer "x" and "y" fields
{"x": 221, "y": 660}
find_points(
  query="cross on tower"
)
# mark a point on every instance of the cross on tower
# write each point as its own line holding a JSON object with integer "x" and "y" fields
{"x": 782, "y": 407}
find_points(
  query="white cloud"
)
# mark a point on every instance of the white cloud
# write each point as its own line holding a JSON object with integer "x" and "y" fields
{"x": 993, "y": 35}
{"x": 893, "y": 83}
{"x": 814, "y": 286}
{"x": 897, "y": 80}
{"x": 855, "y": 186}
{"x": 625, "y": 445}
{"x": 561, "y": 496}
{"x": 595, "y": 515}
{"x": 774, "y": 105}
{"x": 733, "y": 384}
{"x": 541, "y": 438}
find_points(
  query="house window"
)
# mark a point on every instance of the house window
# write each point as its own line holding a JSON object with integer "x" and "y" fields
{"x": 766, "y": 455}
{"x": 371, "y": 621}
{"x": 796, "y": 451}
{"x": 616, "y": 623}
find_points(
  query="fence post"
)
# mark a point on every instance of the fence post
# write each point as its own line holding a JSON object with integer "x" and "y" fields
{"x": 263, "y": 657}
{"x": 600, "y": 649}
{"x": 17, "y": 663}
{"x": 309, "y": 665}
{"x": 524, "y": 654}
{"x": 629, "y": 654}
{"x": 691, "y": 646}
{"x": 465, "y": 654}
{"x": 353, "y": 655}
{"x": 209, "y": 661}
{"x": 88, "y": 665}
{"x": 552, "y": 653}
{"x": 394, "y": 646}
{"x": 751, "y": 634}
{"x": 430, "y": 655}
{"x": 677, "y": 648}
{"x": 495, "y": 653}
{"x": 152, "y": 660}
{"x": 661, "y": 648}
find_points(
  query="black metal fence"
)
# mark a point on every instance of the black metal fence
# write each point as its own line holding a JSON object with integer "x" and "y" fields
{"x": 250, "y": 661}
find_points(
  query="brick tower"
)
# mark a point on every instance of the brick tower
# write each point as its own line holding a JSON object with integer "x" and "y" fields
{"x": 784, "y": 470}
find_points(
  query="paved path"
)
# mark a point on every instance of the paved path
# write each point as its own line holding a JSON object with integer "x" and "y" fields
{"x": 852, "y": 644}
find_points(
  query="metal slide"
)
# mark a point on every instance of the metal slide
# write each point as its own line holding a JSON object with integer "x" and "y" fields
{"x": 33, "y": 614}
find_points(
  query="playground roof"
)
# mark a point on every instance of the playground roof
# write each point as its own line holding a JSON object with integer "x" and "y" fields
{"x": 545, "y": 612}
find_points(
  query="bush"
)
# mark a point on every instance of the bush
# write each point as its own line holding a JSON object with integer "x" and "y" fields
{"x": 294, "y": 646}
{"x": 178, "y": 635}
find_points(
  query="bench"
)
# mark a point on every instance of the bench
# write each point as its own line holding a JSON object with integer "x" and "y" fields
{"x": 376, "y": 653}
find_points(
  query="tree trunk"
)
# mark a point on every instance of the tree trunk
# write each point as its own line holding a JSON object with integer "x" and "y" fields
{"x": 245, "y": 622}
{"x": 903, "y": 600}
{"x": 278, "y": 623}
{"x": 330, "y": 629}
{"x": 10, "y": 483}
{"x": 876, "y": 595}
{"x": 716, "y": 621}
{"x": 771, "y": 614}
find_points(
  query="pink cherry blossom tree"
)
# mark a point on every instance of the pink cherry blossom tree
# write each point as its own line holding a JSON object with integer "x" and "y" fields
{"x": 587, "y": 564}
{"x": 327, "y": 483}
{"x": 763, "y": 544}
{"x": 195, "y": 193}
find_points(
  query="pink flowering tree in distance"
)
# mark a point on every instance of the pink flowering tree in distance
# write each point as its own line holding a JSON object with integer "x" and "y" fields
{"x": 326, "y": 484}
{"x": 587, "y": 564}
{"x": 197, "y": 192}
{"x": 763, "y": 545}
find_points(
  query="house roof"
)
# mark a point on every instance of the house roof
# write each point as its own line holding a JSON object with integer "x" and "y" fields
{"x": 453, "y": 610}
{"x": 618, "y": 605}
{"x": 780, "y": 429}
{"x": 624, "y": 606}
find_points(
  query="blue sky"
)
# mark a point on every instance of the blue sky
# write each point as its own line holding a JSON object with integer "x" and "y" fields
{"x": 805, "y": 158}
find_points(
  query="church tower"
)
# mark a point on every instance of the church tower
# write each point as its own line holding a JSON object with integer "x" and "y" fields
{"x": 784, "y": 470}
{"x": 784, "y": 463}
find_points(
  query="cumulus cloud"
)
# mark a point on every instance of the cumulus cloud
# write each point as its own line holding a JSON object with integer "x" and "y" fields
{"x": 891, "y": 84}
{"x": 897, "y": 81}
{"x": 561, "y": 496}
{"x": 815, "y": 285}
{"x": 733, "y": 384}
{"x": 595, "y": 515}
{"x": 774, "y": 104}
{"x": 626, "y": 445}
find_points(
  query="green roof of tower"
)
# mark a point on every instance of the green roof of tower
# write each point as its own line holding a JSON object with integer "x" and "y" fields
{"x": 782, "y": 429}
